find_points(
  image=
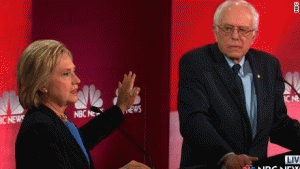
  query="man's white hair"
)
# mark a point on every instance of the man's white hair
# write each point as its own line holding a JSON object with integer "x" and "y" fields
{"x": 255, "y": 15}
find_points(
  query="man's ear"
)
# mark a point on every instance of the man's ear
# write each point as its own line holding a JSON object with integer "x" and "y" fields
{"x": 214, "y": 30}
{"x": 255, "y": 34}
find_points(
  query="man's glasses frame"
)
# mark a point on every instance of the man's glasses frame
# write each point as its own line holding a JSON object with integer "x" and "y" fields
{"x": 229, "y": 29}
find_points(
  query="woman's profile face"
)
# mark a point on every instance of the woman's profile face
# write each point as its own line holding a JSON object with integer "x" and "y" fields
{"x": 63, "y": 83}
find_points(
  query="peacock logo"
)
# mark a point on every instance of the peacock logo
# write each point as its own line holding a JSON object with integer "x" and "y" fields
{"x": 135, "y": 108}
{"x": 294, "y": 79}
{"x": 10, "y": 109}
{"x": 88, "y": 96}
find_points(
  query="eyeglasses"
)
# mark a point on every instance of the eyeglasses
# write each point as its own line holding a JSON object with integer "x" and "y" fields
{"x": 228, "y": 30}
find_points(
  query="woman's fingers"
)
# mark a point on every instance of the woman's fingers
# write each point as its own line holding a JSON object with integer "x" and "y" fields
{"x": 136, "y": 91}
{"x": 128, "y": 81}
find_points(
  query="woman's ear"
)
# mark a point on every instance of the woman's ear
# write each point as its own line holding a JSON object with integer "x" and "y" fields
{"x": 43, "y": 89}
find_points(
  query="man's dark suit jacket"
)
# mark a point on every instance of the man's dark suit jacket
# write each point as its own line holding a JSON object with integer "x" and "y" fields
{"x": 213, "y": 119}
{"x": 44, "y": 141}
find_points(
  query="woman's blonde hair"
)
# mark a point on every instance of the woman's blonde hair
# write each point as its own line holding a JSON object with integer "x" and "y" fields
{"x": 34, "y": 67}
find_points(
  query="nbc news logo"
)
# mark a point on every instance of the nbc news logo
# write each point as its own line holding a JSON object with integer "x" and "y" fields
{"x": 135, "y": 108}
{"x": 10, "y": 109}
{"x": 88, "y": 95}
{"x": 294, "y": 79}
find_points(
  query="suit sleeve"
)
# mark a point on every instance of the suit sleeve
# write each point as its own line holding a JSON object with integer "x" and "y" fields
{"x": 101, "y": 126}
{"x": 194, "y": 112}
{"x": 285, "y": 130}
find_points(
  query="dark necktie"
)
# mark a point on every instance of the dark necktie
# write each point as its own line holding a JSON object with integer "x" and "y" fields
{"x": 236, "y": 68}
{"x": 252, "y": 117}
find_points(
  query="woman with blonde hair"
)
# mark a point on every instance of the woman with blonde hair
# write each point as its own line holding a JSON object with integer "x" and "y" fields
{"x": 47, "y": 84}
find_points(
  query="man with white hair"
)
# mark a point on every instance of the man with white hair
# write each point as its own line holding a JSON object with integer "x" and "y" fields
{"x": 231, "y": 96}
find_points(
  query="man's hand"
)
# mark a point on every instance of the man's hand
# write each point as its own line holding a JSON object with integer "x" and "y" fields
{"x": 135, "y": 165}
{"x": 234, "y": 161}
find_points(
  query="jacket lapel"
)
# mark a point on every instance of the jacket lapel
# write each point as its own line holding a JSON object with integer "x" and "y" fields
{"x": 257, "y": 70}
{"x": 228, "y": 78}
{"x": 75, "y": 146}
{"x": 67, "y": 136}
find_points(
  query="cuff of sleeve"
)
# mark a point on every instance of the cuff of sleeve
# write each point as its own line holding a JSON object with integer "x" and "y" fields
{"x": 117, "y": 107}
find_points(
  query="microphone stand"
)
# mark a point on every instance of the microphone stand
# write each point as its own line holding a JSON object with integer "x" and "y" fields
{"x": 97, "y": 110}
{"x": 283, "y": 80}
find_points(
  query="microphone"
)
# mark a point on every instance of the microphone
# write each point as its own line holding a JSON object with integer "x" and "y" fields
{"x": 97, "y": 110}
{"x": 284, "y": 81}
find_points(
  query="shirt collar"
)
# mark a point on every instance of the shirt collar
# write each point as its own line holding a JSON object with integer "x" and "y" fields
{"x": 231, "y": 63}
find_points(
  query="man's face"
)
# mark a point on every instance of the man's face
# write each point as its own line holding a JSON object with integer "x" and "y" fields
{"x": 236, "y": 18}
